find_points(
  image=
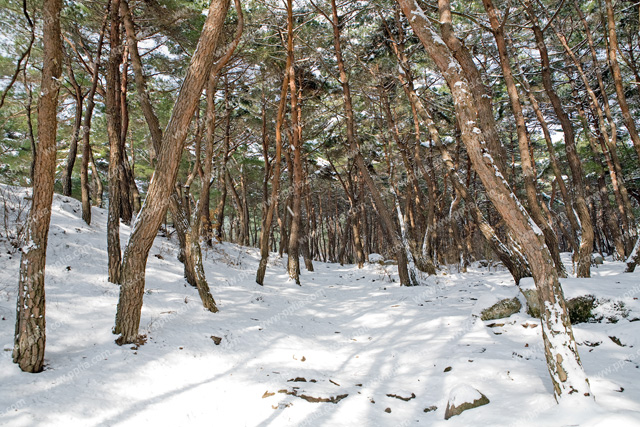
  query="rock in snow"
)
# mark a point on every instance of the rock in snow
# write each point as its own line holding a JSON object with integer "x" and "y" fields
{"x": 500, "y": 310}
{"x": 463, "y": 397}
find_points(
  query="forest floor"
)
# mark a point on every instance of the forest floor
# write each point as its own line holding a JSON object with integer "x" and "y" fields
{"x": 353, "y": 337}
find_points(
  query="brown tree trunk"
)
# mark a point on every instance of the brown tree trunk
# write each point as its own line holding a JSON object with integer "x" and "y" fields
{"x": 222, "y": 175}
{"x": 164, "y": 177}
{"x": 586, "y": 238}
{"x": 523, "y": 140}
{"x": 612, "y": 54}
{"x": 206, "y": 228}
{"x": 354, "y": 147}
{"x": 87, "y": 155}
{"x": 555, "y": 164}
{"x": 187, "y": 231}
{"x": 113, "y": 112}
{"x": 271, "y": 202}
{"x": 30, "y": 333}
{"x": 610, "y": 152}
{"x": 563, "y": 361}
{"x": 482, "y": 98}
{"x": 204, "y": 215}
{"x": 295, "y": 143}
{"x": 67, "y": 172}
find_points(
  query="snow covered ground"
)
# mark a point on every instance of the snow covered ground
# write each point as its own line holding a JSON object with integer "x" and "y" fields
{"x": 350, "y": 337}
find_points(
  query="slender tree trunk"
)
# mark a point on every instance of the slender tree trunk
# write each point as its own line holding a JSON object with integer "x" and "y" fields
{"x": 115, "y": 154}
{"x": 223, "y": 167}
{"x": 205, "y": 192}
{"x": 612, "y": 54}
{"x": 271, "y": 204}
{"x": 295, "y": 143}
{"x": 523, "y": 140}
{"x": 352, "y": 138}
{"x": 164, "y": 177}
{"x": 563, "y": 361}
{"x": 30, "y": 333}
{"x": 67, "y": 172}
{"x": 615, "y": 170}
{"x": 586, "y": 240}
{"x": 86, "y": 131}
{"x": 555, "y": 164}
{"x": 187, "y": 231}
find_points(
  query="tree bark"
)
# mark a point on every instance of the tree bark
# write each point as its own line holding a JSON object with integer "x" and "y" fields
{"x": 612, "y": 54}
{"x": 295, "y": 144}
{"x": 30, "y": 332}
{"x": 528, "y": 172}
{"x": 271, "y": 202}
{"x": 354, "y": 148}
{"x": 164, "y": 177}
{"x": 114, "y": 123}
{"x": 563, "y": 361}
{"x": 87, "y": 154}
{"x": 186, "y": 229}
{"x": 78, "y": 97}
{"x": 586, "y": 238}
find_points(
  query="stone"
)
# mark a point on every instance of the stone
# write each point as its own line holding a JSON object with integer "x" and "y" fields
{"x": 501, "y": 309}
{"x": 462, "y": 398}
{"x": 533, "y": 304}
{"x": 580, "y": 308}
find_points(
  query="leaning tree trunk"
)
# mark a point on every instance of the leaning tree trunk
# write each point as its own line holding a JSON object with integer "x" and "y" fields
{"x": 563, "y": 361}
{"x": 164, "y": 177}
{"x": 188, "y": 231}
{"x": 67, "y": 172}
{"x": 586, "y": 238}
{"x": 271, "y": 204}
{"x": 354, "y": 147}
{"x": 523, "y": 140}
{"x": 612, "y": 54}
{"x": 86, "y": 133}
{"x": 30, "y": 334}
{"x": 115, "y": 155}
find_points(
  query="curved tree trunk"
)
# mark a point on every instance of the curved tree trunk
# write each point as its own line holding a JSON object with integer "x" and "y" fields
{"x": 271, "y": 202}
{"x": 67, "y": 172}
{"x": 160, "y": 189}
{"x": 561, "y": 351}
{"x": 523, "y": 140}
{"x": 114, "y": 124}
{"x": 587, "y": 235}
{"x": 30, "y": 333}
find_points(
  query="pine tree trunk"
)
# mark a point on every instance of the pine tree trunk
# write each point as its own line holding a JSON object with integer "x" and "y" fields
{"x": 352, "y": 138}
{"x": 30, "y": 331}
{"x": 612, "y": 54}
{"x": 528, "y": 172}
{"x": 295, "y": 141}
{"x": 113, "y": 112}
{"x": 67, "y": 172}
{"x": 164, "y": 177}
{"x": 561, "y": 351}
{"x": 586, "y": 238}
{"x": 271, "y": 202}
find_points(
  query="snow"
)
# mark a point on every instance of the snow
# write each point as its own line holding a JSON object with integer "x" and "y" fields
{"x": 375, "y": 258}
{"x": 354, "y": 331}
{"x": 462, "y": 393}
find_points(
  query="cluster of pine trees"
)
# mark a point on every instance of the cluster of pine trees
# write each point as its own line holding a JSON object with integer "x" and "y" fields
{"x": 429, "y": 132}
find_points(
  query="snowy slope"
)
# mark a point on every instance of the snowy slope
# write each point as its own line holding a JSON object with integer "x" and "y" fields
{"x": 343, "y": 332}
